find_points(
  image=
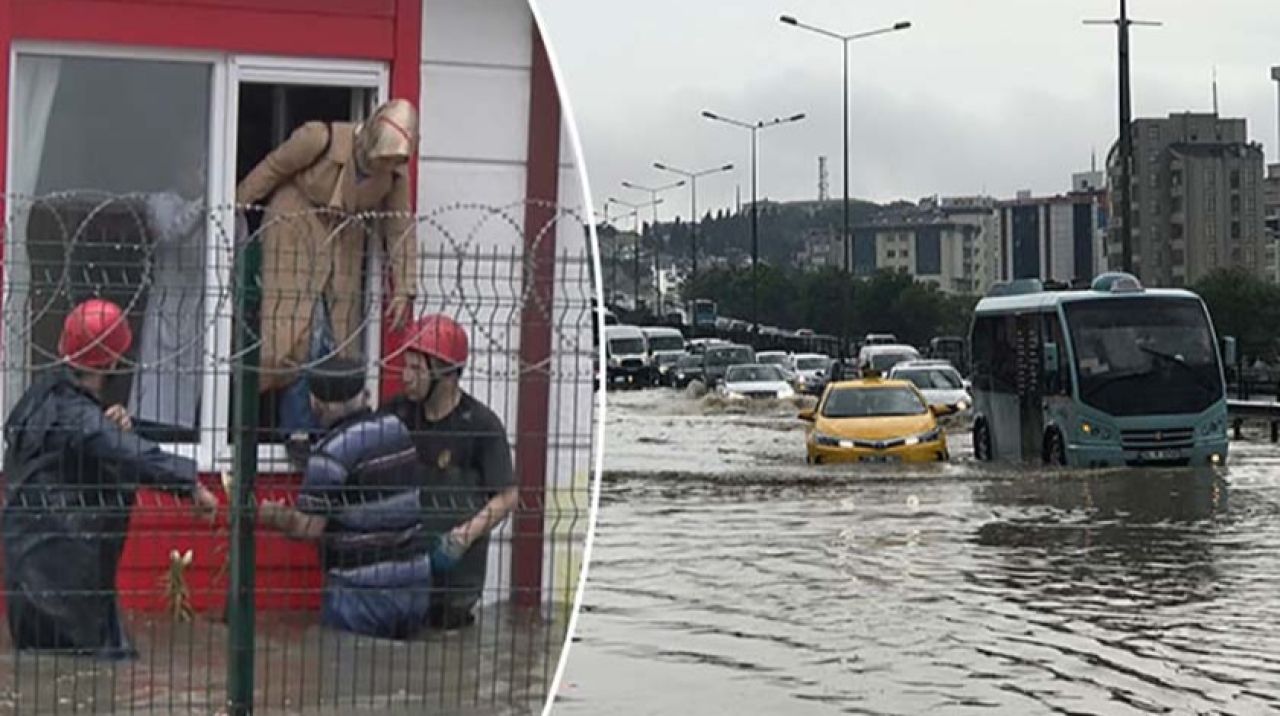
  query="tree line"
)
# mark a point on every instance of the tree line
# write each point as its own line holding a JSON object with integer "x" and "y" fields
{"x": 887, "y": 302}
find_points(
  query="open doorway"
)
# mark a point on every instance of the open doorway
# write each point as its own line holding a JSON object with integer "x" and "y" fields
{"x": 268, "y": 113}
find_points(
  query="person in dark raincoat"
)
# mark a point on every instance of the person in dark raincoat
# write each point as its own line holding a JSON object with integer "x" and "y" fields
{"x": 72, "y": 469}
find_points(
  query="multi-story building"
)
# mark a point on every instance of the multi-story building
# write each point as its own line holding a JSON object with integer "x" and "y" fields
{"x": 930, "y": 247}
{"x": 981, "y": 251}
{"x": 821, "y": 248}
{"x": 1051, "y": 238}
{"x": 1271, "y": 214}
{"x": 1197, "y": 199}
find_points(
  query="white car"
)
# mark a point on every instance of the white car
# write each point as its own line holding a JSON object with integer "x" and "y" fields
{"x": 938, "y": 380}
{"x": 755, "y": 380}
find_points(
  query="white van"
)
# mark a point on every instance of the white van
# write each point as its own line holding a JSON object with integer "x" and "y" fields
{"x": 666, "y": 346}
{"x": 880, "y": 359}
{"x": 627, "y": 353}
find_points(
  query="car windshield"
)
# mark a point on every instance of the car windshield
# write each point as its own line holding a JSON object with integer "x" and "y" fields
{"x": 932, "y": 378}
{"x": 689, "y": 361}
{"x": 777, "y": 359}
{"x": 1144, "y": 356}
{"x": 811, "y": 363}
{"x": 666, "y": 343}
{"x": 730, "y": 356}
{"x": 872, "y": 402}
{"x": 626, "y": 346}
{"x": 884, "y": 361}
{"x": 753, "y": 374}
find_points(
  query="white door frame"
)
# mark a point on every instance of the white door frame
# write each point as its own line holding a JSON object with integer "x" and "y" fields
{"x": 299, "y": 71}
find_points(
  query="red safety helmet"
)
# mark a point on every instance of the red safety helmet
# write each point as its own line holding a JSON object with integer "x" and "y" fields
{"x": 95, "y": 335}
{"x": 440, "y": 337}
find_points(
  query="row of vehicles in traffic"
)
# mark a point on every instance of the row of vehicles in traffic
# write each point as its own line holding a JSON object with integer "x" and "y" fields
{"x": 1110, "y": 374}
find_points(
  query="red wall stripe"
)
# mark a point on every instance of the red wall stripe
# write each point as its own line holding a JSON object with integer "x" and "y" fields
{"x": 367, "y": 8}
{"x": 542, "y": 176}
{"x": 193, "y": 26}
{"x": 406, "y": 82}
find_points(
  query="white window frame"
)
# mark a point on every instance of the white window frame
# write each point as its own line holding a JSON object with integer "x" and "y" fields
{"x": 272, "y": 69}
{"x": 212, "y": 451}
{"x": 202, "y": 449}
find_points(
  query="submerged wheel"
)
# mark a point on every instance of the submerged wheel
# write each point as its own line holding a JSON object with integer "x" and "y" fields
{"x": 981, "y": 441}
{"x": 1055, "y": 449}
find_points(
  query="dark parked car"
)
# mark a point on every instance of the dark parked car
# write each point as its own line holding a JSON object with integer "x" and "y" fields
{"x": 717, "y": 359}
{"x": 686, "y": 370}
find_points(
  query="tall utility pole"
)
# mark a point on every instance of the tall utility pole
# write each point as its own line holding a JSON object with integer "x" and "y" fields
{"x": 1122, "y": 24}
{"x": 1275, "y": 75}
{"x": 654, "y": 191}
{"x": 847, "y": 243}
{"x": 754, "y": 128}
{"x": 692, "y": 177}
{"x": 635, "y": 247}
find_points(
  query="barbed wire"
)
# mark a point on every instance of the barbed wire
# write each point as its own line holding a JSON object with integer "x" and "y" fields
{"x": 472, "y": 261}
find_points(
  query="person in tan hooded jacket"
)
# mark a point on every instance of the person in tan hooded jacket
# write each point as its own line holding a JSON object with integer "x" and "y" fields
{"x": 317, "y": 185}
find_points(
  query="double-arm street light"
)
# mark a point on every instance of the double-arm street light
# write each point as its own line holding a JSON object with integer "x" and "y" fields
{"x": 847, "y": 237}
{"x": 754, "y": 128}
{"x": 654, "y": 191}
{"x": 635, "y": 247}
{"x": 692, "y": 178}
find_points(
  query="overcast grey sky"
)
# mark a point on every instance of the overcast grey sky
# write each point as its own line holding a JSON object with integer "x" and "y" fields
{"x": 978, "y": 96}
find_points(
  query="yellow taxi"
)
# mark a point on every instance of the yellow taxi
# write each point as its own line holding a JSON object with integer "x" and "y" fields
{"x": 875, "y": 420}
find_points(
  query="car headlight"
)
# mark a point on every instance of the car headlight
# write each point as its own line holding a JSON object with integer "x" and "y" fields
{"x": 962, "y": 406}
{"x": 1095, "y": 430}
{"x": 1214, "y": 428}
{"x": 831, "y": 440}
{"x": 734, "y": 395}
{"x": 928, "y": 437}
{"x": 786, "y": 393}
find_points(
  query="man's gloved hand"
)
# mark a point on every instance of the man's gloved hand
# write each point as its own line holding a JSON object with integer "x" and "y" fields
{"x": 448, "y": 552}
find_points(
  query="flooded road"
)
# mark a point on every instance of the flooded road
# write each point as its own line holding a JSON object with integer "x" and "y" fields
{"x": 727, "y": 577}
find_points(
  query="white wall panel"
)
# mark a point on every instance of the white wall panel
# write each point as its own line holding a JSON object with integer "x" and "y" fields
{"x": 477, "y": 114}
{"x": 478, "y": 32}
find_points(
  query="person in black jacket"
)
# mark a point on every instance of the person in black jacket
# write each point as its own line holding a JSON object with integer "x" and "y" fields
{"x": 72, "y": 471}
{"x": 469, "y": 485}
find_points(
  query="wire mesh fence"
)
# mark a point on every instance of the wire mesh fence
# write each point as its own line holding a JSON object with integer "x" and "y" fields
{"x": 340, "y": 464}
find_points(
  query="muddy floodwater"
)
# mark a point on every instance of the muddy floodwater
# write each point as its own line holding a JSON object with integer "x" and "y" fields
{"x": 728, "y": 577}
{"x": 500, "y": 666}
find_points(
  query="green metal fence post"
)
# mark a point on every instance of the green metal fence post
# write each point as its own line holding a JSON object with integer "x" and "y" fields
{"x": 240, "y": 607}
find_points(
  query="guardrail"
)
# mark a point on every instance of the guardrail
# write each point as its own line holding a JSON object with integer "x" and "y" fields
{"x": 1268, "y": 411}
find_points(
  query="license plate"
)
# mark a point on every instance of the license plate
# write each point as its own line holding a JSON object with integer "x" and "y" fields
{"x": 880, "y": 458}
{"x": 1159, "y": 454}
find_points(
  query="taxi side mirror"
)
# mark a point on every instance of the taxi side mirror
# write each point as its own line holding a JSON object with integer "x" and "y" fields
{"x": 806, "y": 415}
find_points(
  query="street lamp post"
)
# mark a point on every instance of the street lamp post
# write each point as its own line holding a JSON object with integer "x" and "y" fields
{"x": 754, "y": 128}
{"x": 613, "y": 254}
{"x": 635, "y": 248}
{"x": 692, "y": 177}
{"x": 1122, "y": 24}
{"x": 847, "y": 236}
{"x": 654, "y": 191}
